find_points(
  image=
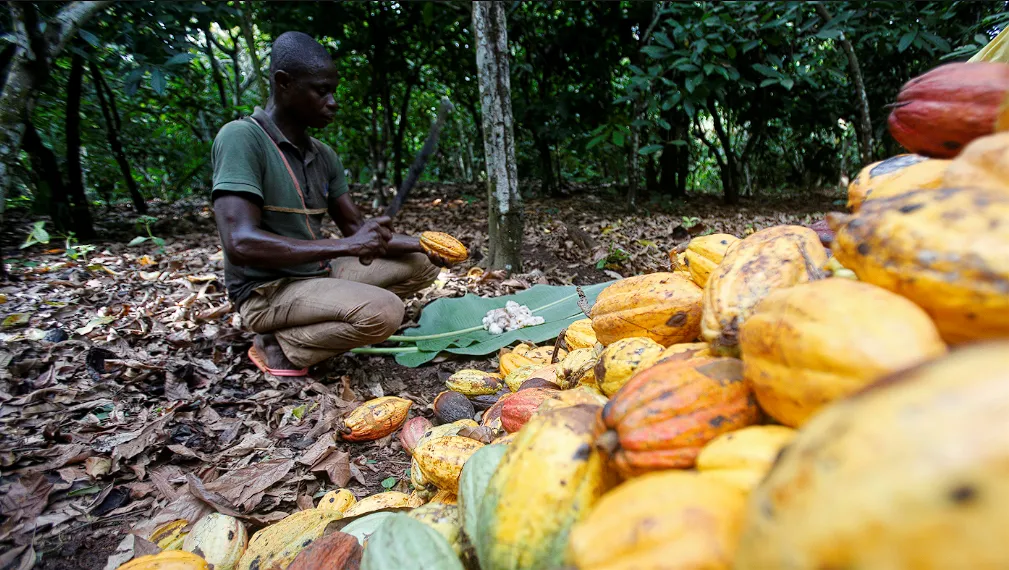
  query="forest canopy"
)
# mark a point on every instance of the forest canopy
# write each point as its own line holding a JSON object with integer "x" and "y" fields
{"x": 656, "y": 100}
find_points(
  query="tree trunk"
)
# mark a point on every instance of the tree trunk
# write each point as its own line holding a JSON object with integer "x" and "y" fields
{"x": 547, "y": 184}
{"x": 47, "y": 169}
{"x": 79, "y": 211}
{"x": 215, "y": 68}
{"x": 651, "y": 176}
{"x": 397, "y": 143}
{"x": 632, "y": 163}
{"x": 864, "y": 122}
{"x": 249, "y": 32}
{"x": 112, "y": 126}
{"x": 730, "y": 186}
{"x": 29, "y": 69}
{"x": 504, "y": 201}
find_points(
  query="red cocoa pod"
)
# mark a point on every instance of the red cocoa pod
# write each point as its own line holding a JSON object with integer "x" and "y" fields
{"x": 521, "y": 406}
{"x": 412, "y": 431}
{"x": 336, "y": 551}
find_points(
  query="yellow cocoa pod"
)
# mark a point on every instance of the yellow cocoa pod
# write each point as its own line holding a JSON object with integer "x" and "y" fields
{"x": 544, "y": 354}
{"x": 277, "y": 545}
{"x": 574, "y": 397}
{"x": 375, "y": 419}
{"x": 506, "y": 438}
{"x": 942, "y": 249}
{"x": 444, "y": 497}
{"x": 509, "y": 362}
{"x": 516, "y": 377}
{"x": 574, "y": 366}
{"x": 704, "y": 253}
{"x": 443, "y": 518}
{"x": 664, "y": 307}
{"x": 896, "y": 175}
{"x": 444, "y": 245}
{"x": 170, "y": 535}
{"x": 339, "y": 500}
{"x": 681, "y": 351}
{"x": 417, "y": 477}
{"x": 219, "y": 539}
{"x": 770, "y": 259}
{"x": 445, "y": 430}
{"x": 167, "y": 560}
{"x": 808, "y": 345}
{"x": 471, "y": 382}
{"x": 621, "y": 359}
{"x": 743, "y": 457}
{"x": 386, "y": 500}
{"x": 521, "y": 349}
{"x": 579, "y": 334}
{"x": 441, "y": 459}
{"x": 668, "y": 519}
{"x": 525, "y": 515}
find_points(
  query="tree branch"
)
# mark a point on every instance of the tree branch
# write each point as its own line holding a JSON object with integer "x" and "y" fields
{"x": 70, "y": 19}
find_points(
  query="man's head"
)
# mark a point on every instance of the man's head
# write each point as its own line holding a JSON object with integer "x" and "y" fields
{"x": 303, "y": 78}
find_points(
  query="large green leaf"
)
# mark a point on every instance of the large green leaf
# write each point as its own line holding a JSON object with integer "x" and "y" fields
{"x": 558, "y": 305}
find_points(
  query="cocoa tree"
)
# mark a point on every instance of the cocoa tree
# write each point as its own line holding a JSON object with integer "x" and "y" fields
{"x": 504, "y": 207}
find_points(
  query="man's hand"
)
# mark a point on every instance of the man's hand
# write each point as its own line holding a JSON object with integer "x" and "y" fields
{"x": 371, "y": 239}
{"x": 438, "y": 260}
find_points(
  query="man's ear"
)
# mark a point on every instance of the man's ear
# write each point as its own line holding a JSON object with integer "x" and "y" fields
{"x": 282, "y": 79}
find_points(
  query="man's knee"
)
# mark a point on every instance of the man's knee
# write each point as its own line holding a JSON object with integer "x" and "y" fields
{"x": 379, "y": 318}
{"x": 423, "y": 272}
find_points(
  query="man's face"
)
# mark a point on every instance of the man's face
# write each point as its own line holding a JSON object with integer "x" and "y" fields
{"x": 310, "y": 96}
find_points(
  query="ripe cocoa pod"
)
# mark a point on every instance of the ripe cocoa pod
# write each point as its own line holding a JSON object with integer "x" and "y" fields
{"x": 452, "y": 406}
{"x": 544, "y": 355}
{"x": 219, "y": 539}
{"x": 443, "y": 518}
{"x": 516, "y": 377}
{"x": 441, "y": 459}
{"x": 521, "y": 406}
{"x": 167, "y": 560}
{"x": 339, "y": 501}
{"x": 469, "y": 382}
{"x": 277, "y": 545}
{"x": 512, "y": 361}
{"x": 444, "y": 497}
{"x": 579, "y": 334}
{"x": 520, "y": 349}
{"x": 444, "y": 245}
{"x": 412, "y": 431}
{"x": 170, "y": 535}
{"x": 446, "y": 430}
{"x": 339, "y": 551}
{"x": 377, "y": 502}
{"x": 375, "y": 419}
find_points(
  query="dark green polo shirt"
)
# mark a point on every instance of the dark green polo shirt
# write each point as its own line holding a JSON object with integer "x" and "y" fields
{"x": 245, "y": 161}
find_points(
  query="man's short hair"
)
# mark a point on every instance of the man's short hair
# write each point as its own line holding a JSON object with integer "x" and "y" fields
{"x": 297, "y": 53}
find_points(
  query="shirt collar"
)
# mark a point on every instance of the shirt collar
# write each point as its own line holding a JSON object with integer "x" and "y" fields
{"x": 263, "y": 118}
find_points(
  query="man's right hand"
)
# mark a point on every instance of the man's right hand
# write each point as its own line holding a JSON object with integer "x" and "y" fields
{"x": 372, "y": 239}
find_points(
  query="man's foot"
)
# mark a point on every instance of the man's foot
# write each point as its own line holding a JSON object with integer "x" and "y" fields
{"x": 267, "y": 355}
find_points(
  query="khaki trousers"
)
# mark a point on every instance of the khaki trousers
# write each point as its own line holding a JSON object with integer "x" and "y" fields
{"x": 357, "y": 305}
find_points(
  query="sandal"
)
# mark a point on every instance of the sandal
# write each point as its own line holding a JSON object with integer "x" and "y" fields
{"x": 260, "y": 363}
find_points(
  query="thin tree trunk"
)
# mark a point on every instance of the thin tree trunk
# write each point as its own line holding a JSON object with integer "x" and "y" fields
{"x": 548, "y": 185}
{"x": 397, "y": 143}
{"x": 249, "y": 32}
{"x": 112, "y": 127}
{"x": 47, "y": 170}
{"x": 81, "y": 214}
{"x": 215, "y": 68}
{"x": 730, "y": 186}
{"x": 632, "y": 160}
{"x": 504, "y": 203}
{"x": 864, "y": 122}
{"x": 29, "y": 69}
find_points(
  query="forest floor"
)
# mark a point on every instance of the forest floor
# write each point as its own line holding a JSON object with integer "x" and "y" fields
{"x": 126, "y": 398}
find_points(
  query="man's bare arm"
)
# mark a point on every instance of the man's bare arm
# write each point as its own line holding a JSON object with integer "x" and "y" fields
{"x": 349, "y": 219}
{"x": 238, "y": 222}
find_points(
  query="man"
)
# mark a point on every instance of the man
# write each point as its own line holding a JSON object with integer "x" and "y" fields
{"x": 307, "y": 297}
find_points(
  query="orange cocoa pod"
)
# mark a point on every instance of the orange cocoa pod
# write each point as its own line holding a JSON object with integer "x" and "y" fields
{"x": 375, "y": 419}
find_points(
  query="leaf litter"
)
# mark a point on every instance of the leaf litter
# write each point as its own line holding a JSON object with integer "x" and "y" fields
{"x": 126, "y": 400}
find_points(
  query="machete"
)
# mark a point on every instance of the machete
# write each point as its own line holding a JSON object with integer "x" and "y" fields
{"x": 419, "y": 162}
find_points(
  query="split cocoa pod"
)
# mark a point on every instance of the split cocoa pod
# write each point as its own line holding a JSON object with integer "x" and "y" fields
{"x": 444, "y": 246}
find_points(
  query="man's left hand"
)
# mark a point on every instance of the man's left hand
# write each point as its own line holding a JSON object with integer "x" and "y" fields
{"x": 438, "y": 260}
